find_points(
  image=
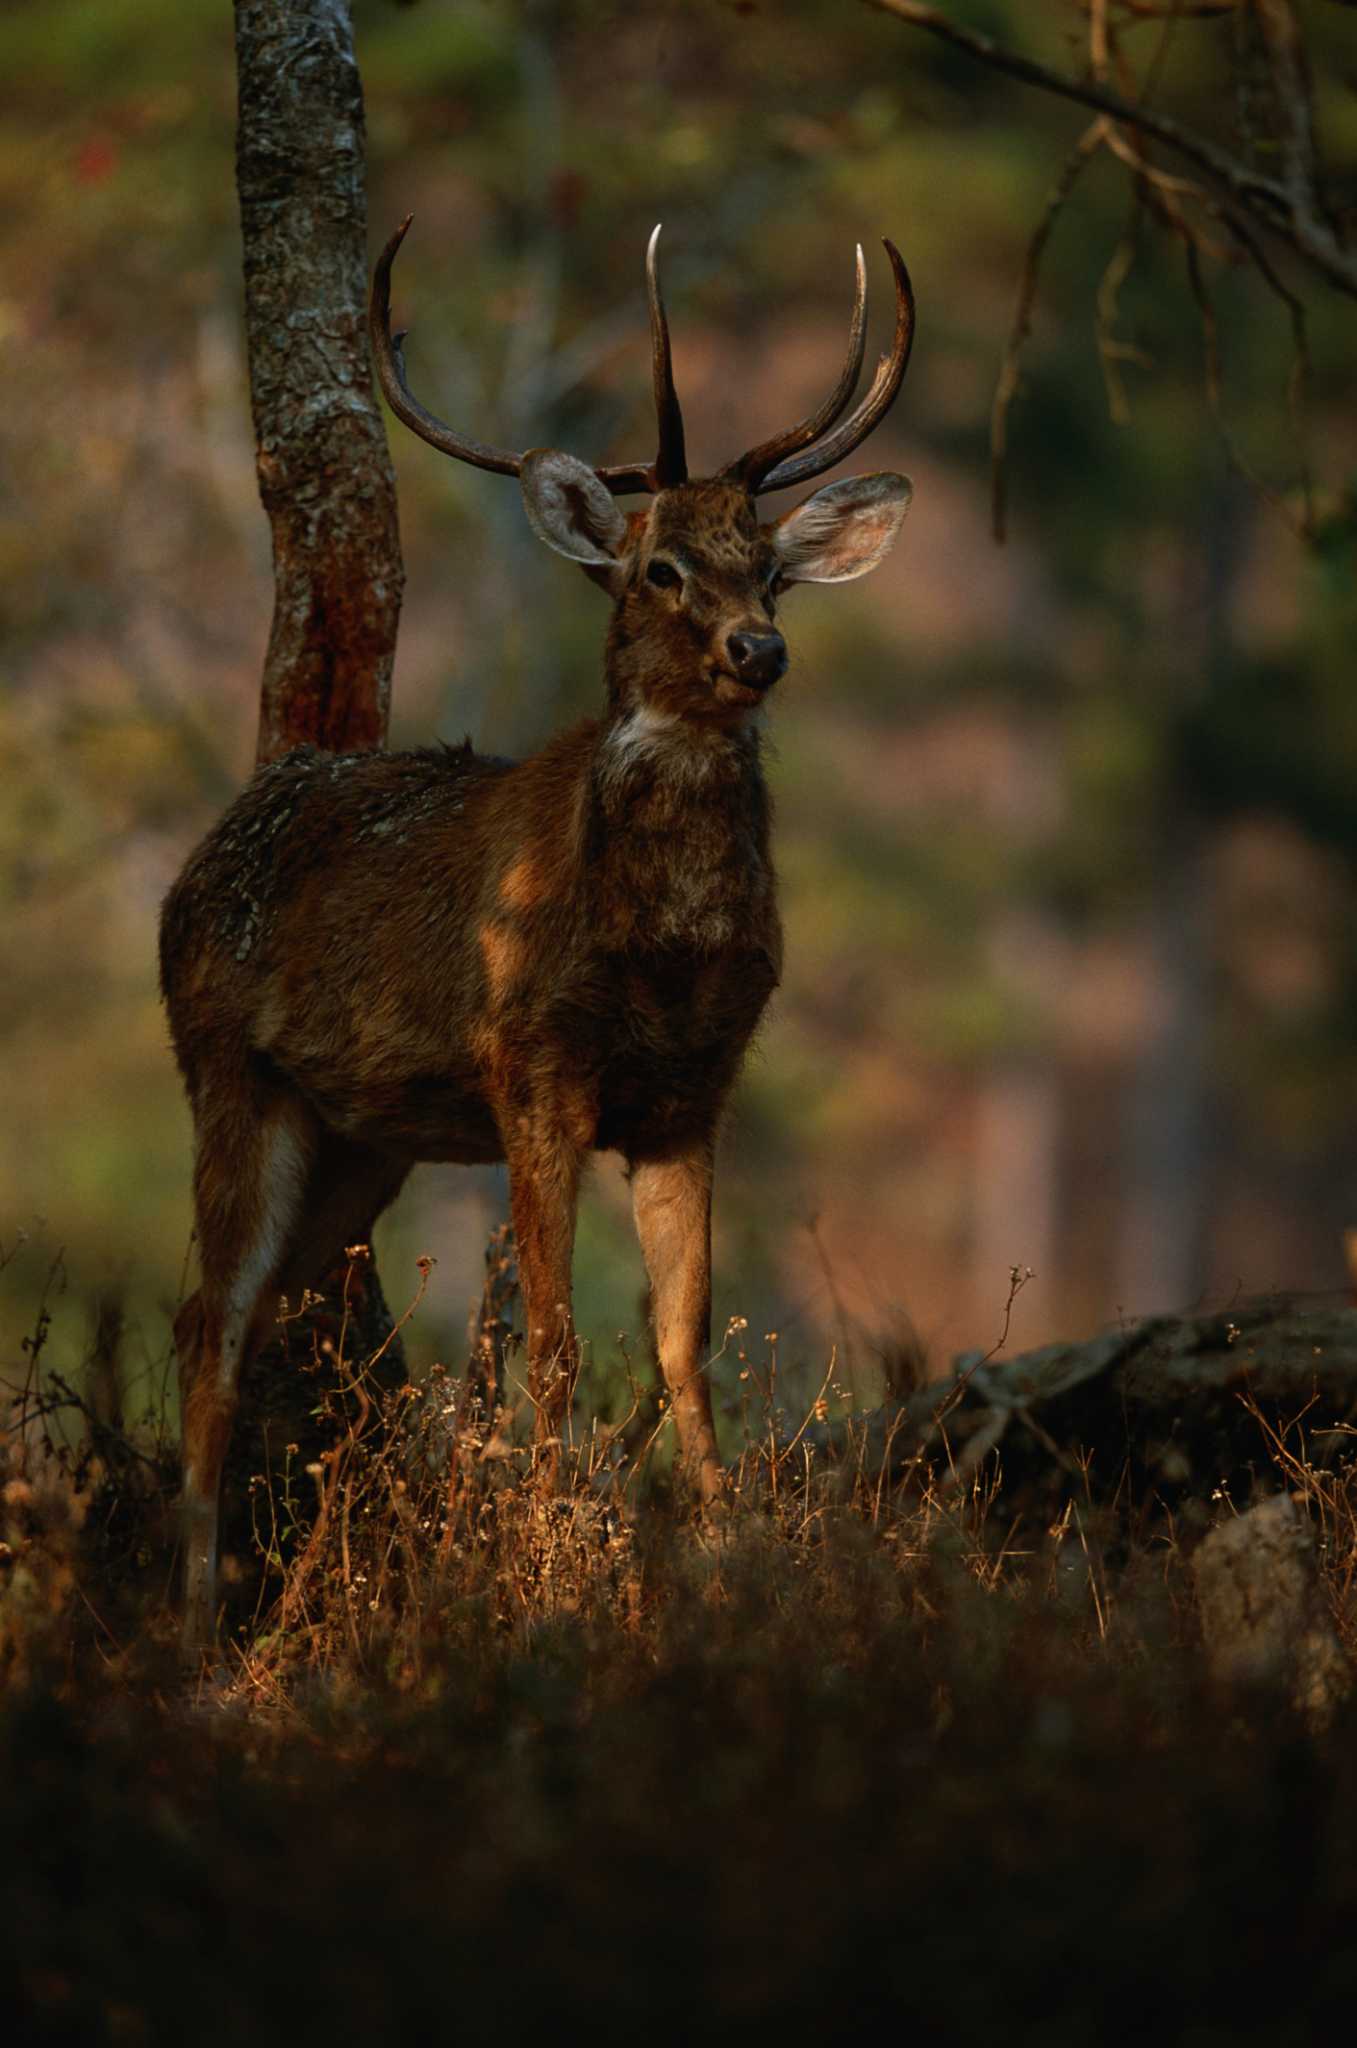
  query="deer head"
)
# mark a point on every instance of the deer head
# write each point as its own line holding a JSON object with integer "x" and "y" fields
{"x": 696, "y": 577}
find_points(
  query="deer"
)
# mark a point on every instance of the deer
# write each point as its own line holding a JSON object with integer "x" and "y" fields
{"x": 384, "y": 958}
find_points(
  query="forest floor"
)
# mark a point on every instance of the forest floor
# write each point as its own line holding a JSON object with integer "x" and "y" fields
{"x": 886, "y": 1743}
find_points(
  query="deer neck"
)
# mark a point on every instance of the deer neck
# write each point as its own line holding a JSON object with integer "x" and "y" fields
{"x": 679, "y": 834}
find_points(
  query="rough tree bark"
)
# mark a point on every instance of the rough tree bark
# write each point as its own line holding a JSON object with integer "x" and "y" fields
{"x": 327, "y": 485}
{"x": 325, "y": 475}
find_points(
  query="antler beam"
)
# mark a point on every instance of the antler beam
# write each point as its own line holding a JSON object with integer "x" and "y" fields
{"x": 776, "y": 464}
{"x": 751, "y": 469}
{"x": 620, "y": 478}
{"x": 390, "y": 361}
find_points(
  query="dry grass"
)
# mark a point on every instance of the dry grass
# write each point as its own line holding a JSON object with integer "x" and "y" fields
{"x": 486, "y": 1757}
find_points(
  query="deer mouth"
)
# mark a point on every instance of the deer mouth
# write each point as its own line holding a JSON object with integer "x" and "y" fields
{"x": 738, "y": 693}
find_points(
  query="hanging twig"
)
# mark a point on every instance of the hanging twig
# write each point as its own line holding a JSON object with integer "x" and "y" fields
{"x": 1211, "y": 363}
{"x": 1290, "y": 209}
{"x": 1111, "y": 352}
{"x": 1079, "y": 157}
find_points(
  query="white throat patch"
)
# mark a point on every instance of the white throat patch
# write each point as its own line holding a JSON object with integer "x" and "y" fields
{"x": 644, "y": 732}
{"x": 668, "y": 743}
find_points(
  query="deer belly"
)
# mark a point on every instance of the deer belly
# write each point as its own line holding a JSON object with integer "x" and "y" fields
{"x": 432, "y": 1114}
{"x": 435, "y": 1118}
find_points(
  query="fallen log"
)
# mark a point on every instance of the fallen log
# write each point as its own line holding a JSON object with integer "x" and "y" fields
{"x": 1163, "y": 1412}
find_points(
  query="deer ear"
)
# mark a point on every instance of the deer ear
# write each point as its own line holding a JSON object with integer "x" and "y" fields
{"x": 843, "y": 531}
{"x": 570, "y": 509}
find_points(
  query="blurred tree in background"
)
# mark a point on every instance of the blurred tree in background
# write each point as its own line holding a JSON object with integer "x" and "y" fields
{"x": 1065, "y": 828}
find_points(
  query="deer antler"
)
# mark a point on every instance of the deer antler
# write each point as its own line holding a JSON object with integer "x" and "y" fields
{"x": 669, "y": 466}
{"x": 776, "y": 463}
{"x": 752, "y": 468}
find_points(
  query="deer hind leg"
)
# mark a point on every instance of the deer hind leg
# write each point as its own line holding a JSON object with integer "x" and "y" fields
{"x": 249, "y": 1182}
{"x": 671, "y": 1202}
{"x": 545, "y": 1164}
{"x": 347, "y": 1188}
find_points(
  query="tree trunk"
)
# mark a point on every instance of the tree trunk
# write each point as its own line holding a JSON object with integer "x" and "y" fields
{"x": 324, "y": 472}
{"x": 327, "y": 485}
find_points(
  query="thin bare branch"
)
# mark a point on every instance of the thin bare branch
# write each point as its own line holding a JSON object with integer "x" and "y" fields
{"x": 1111, "y": 352}
{"x": 1298, "y": 384}
{"x": 1281, "y": 208}
{"x": 1175, "y": 10}
{"x": 1165, "y": 193}
{"x": 1283, "y": 42}
{"x": 1211, "y": 361}
{"x": 1145, "y": 167}
{"x": 1089, "y": 143}
{"x": 1097, "y": 39}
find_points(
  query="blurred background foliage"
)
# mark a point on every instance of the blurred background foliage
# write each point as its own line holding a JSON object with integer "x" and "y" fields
{"x": 1066, "y": 829}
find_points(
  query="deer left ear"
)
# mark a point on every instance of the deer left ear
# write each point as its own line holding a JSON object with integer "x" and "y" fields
{"x": 843, "y": 531}
{"x": 570, "y": 509}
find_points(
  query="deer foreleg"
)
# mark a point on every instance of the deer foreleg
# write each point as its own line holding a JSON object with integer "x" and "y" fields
{"x": 671, "y": 1201}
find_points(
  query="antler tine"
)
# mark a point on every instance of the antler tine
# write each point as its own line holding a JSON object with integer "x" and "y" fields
{"x": 671, "y": 462}
{"x": 880, "y": 397}
{"x": 386, "y": 351}
{"x": 751, "y": 469}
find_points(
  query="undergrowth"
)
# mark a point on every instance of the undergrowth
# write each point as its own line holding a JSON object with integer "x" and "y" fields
{"x": 869, "y": 1746}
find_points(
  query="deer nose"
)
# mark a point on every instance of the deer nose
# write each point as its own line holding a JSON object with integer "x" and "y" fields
{"x": 757, "y": 658}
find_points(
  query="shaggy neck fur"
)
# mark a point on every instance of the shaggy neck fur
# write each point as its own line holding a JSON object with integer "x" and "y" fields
{"x": 679, "y": 828}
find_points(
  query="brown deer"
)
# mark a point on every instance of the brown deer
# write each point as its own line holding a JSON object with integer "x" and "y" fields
{"x": 376, "y": 959}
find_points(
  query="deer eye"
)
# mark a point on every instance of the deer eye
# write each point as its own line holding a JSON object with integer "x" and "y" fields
{"x": 663, "y": 575}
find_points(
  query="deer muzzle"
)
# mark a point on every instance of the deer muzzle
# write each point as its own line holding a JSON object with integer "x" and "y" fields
{"x": 757, "y": 659}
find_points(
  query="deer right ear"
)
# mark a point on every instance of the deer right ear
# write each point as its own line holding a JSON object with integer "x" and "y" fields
{"x": 570, "y": 509}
